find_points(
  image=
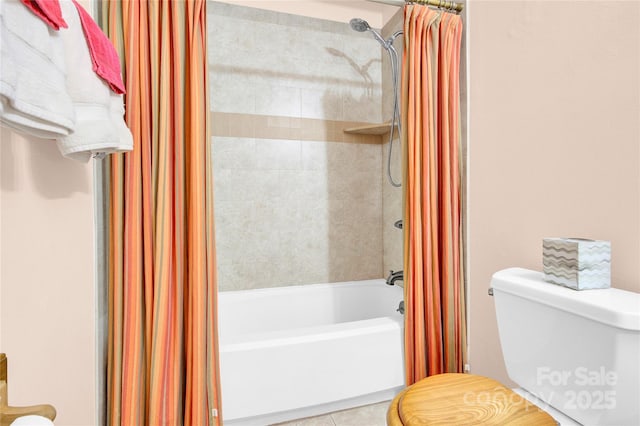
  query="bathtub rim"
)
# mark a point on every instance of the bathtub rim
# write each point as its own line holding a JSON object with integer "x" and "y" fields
{"x": 300, "y": 287}
{"x": 269, "y": 338}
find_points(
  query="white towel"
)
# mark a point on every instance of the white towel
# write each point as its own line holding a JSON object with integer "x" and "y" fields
{"x": 100, "y": 127}
{"x": 33, "y": 94}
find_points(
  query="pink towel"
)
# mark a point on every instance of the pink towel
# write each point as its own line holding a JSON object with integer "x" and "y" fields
{"x": 47, "y": 10}
{"x": 104, "y": 57}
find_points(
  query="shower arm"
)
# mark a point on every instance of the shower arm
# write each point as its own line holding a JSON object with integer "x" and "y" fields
{"x": 394, "y": 36}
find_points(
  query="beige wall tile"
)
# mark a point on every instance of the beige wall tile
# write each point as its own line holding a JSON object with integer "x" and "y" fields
{"x": 362, "y": 105}
{"x": 230, "y": 91}
{"x": 234, "y": 153}
{"x": 278, "y": 100}
{"x": 272, "y": 154}
{"x": 314, "y": 155}
{"x": 392, "y": 209}
{"x": 324, "y": 103}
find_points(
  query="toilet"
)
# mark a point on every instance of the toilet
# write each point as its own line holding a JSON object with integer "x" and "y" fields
{"x": 575, "y": 356}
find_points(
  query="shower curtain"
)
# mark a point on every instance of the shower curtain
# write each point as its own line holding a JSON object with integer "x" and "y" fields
{"x": 162, "y": 342}
{"x": 435, "y": 325}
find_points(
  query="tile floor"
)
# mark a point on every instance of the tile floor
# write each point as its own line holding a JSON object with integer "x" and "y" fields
{"x": 369, "y": 415}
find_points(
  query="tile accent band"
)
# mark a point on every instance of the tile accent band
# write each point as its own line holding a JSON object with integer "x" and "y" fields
{"x": 291, "y": 128}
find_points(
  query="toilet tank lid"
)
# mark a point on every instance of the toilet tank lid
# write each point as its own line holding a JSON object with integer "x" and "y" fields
{"x": 612, "y": 306}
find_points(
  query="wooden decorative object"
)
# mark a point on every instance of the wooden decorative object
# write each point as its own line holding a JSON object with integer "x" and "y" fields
{"x": 9, "y": 414}
{"x": 463, "y": 399}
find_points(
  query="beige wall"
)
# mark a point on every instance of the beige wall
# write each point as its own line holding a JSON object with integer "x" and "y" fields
{"x": 376, "y": 14}
{"x": 554, "y": 142}
{"x": 47, "y": 324}
{"x": 47, "y": 303}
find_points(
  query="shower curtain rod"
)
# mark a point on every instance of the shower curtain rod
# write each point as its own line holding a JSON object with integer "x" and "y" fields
{"x": 438, "y": 3}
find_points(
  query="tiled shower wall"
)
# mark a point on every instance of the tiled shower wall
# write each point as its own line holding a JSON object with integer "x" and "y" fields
{"x": 297, "y": 201}
{"x": 391, "y": 196}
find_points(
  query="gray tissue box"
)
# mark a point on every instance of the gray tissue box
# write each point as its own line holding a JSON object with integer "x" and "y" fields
{"x": 577, "y": 263}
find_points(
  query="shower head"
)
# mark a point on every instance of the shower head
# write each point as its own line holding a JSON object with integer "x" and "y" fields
{"x": 359, "y": 25}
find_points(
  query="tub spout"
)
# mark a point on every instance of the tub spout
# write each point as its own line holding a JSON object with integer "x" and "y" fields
{"x": 394, "y": 276}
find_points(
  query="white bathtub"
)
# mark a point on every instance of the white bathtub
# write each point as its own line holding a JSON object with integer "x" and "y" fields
{"x": 292, "y": 352}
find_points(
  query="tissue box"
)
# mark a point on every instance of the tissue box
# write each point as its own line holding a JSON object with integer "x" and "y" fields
{"x": 577, "y": 263}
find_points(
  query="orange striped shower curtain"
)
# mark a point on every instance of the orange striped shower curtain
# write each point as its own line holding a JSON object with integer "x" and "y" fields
{"x": 162, "y": 342}
{"x": 435, "y": 329}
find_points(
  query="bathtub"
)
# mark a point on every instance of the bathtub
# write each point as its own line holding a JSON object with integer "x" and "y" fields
{"x": 299, "y": 351}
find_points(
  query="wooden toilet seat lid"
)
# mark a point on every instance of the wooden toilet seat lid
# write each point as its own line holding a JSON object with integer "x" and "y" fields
{"x": 463, "y": 399}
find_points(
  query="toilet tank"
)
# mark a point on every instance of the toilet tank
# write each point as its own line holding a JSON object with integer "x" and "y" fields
{"x": 578, "y": 351}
